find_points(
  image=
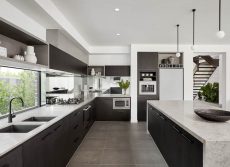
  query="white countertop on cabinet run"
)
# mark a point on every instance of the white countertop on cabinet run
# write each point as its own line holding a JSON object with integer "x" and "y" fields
{"x": 215, "y": 136}
{"x": 9, "y": 141}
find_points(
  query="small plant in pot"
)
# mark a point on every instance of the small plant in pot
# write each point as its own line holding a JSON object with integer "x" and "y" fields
{"x": 210, "y": 92}
{"x": 124, "y": 85}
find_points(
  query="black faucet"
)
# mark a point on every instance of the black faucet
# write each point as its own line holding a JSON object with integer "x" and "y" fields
{"x": 12, "y": 115}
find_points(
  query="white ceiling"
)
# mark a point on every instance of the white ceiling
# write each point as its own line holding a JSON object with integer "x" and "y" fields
{"x": 139, "y": 21}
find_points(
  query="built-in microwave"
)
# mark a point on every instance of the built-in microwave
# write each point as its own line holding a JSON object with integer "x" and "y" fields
{"x": 147, "y": 87}
{"x": 121, "y": 103}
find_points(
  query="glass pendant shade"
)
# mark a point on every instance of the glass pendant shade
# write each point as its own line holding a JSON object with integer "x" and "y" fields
{"x": 220, "y": 34}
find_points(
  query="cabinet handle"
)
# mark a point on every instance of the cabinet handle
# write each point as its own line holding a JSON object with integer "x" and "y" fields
{"x": 157, "y": 114}
{"x": 76, "y": 126}
{"x": 186, "y": 138}
{"x": 57, "y": 128}
{"x": 46, "y": 135}
{"x": 87, "y": 108}
{"x": 76, "y": 114}
{"x": 75, "y": 140}
{"x": 162, "y": 117}
{"x": 175, "y": 128}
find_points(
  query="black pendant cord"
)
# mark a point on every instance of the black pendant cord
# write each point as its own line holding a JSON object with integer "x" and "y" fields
{"x": 219, "y": 15}
{"x": 193, "y": 37}
{"x": 177, "y": 37}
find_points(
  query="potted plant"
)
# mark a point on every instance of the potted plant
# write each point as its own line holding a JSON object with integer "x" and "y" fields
{"x": 124, "y": 85}
{"x": 210, "y": 92}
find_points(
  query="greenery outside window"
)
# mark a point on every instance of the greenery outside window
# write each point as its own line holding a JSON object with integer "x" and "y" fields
{"x": 18, "y": 83}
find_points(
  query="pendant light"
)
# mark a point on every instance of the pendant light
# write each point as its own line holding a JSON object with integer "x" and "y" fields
{"x": 220, "y": 34}
{"x": 193, "y": 30}
{"x": 178, "y": 53}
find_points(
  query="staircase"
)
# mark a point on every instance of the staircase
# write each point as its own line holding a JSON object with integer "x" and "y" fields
{"x": 205, "y": 66}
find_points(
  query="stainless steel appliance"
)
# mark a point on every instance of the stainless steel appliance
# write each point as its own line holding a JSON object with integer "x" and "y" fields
{"x": 147, "y": 88}
{"x": 121, "y": 103}
{"x": 148, "y": 83}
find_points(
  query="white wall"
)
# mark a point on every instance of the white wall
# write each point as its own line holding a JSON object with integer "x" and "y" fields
{"x": 15, "y": 17}
{"x": 109, "y": 59}
{"x": 188, "y": 69}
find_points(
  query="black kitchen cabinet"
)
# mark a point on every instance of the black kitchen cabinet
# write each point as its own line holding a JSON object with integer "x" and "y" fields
{"x": 34, "y": 150}
{"x": 76, "y": 131}
{"x": 54, "y": 146}
{"x": 142, "y": 98}
{"x": 177, "y": 146}
{"x": 192, "y": 150}
{"x": 60, "y": 60}
{"x": 105, "y": 111}
{"x": 47, "y": 148}
{"x": 12, "y": 159}
{"x": 142, "y": 106}
{"x": 117, "y": 70}
{"x": 147, "y": 60}
{"x": 87, "y": 116}
{"x": 60, "y": 143}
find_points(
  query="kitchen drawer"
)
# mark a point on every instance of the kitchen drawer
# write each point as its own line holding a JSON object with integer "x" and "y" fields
{"x": 178, "y": 147}
{"x": 120, "y": 115}
{"x": 12, "y": 159}
{"x": 76, "y": 118}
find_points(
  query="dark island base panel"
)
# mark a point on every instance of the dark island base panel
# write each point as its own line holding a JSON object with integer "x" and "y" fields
{"x": 54, "y": 146}
{"x": 177, "y": 146}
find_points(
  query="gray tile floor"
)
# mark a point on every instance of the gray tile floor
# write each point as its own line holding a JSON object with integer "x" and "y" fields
{"x": 117, "y": 144}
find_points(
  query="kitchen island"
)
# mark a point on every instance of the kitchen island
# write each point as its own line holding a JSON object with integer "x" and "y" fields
{"x": 192, "y": 139}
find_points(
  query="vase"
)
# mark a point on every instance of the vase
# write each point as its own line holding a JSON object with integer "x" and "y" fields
{"x": 124, "y": 91}
{"x": 30, "y": 55}
{"x": 93, "y": 72}
{"x": 30, "y": 58}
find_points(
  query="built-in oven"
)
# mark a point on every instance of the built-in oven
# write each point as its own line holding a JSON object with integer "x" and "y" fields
{"x": 147, "y": 87}
{"x": 148, "y": 83}
{"x": 121, "y": 103}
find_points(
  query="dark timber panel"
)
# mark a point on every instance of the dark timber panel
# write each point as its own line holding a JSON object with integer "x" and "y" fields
{"x": 16, "y": 34}
{"x": 117, "y": 70}
{"x": 60, "y": 60}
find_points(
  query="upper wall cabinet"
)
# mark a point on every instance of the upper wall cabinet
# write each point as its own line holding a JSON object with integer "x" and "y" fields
{"x": 147, "y": 60}
{"x": 18, "y": 35}
{"x": 99, "y": 70}
{"x": 60, "y": 60}
{"x": 16, "y": 41}
{"x": 117, "y": 70}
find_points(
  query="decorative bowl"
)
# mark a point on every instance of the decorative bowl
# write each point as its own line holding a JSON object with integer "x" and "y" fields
{"x": 213, "y": 114}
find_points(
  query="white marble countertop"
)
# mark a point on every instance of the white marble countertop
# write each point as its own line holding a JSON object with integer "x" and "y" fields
{"x": 182, "y": 113}
{"x": 9, "y": 141}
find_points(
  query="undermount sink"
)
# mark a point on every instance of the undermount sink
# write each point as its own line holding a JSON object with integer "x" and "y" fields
{"x": 18, "y": 128}
{"x": 38, "y": 119}
{"x": 213, "y": 114}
